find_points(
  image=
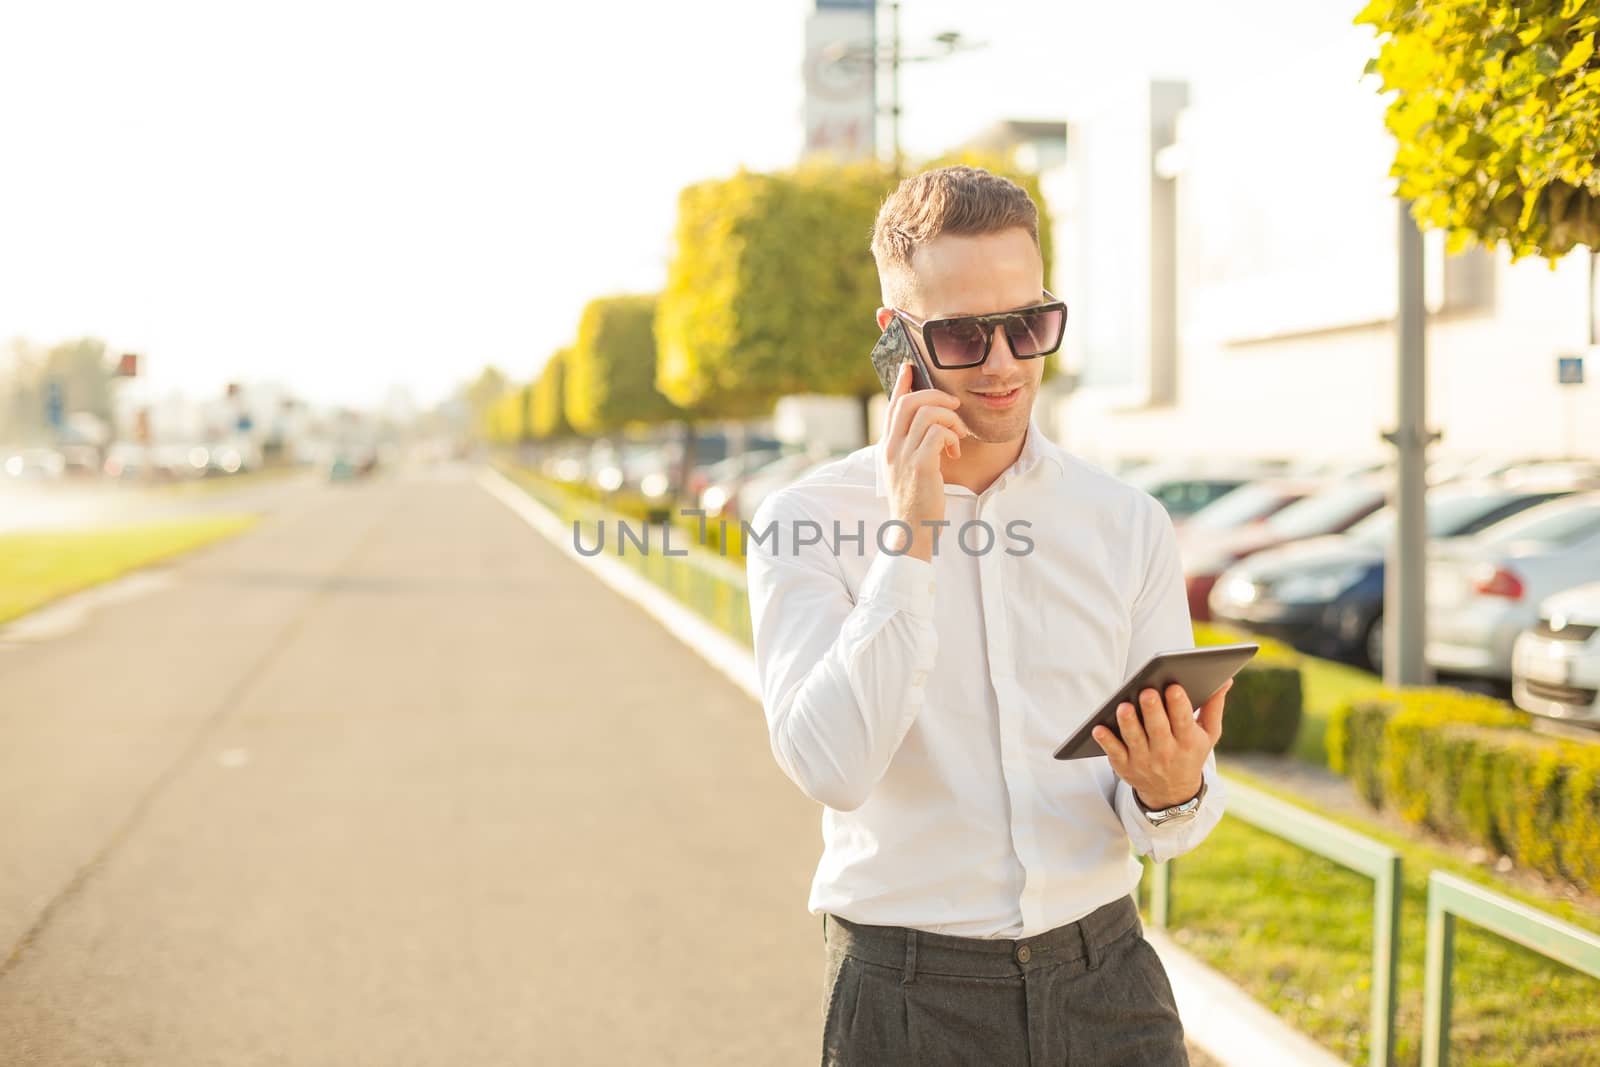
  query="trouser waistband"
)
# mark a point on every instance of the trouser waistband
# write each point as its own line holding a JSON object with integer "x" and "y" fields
{"x": 982, "y": 957}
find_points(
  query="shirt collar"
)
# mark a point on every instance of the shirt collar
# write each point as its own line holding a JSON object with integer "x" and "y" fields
{"x": 1036, "y": 449}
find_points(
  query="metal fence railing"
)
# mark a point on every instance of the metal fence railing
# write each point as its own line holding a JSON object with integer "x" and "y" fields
{"x": 1451, "y": 898}
{"x": 1345, "y": 847}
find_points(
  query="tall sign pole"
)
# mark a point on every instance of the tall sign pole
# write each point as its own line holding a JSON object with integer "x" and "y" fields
{"x": 1405, "y": 573}
{"x": 841, "y": 108}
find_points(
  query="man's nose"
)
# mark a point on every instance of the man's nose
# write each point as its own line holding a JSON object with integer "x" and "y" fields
{"x": 1002, "y": 361}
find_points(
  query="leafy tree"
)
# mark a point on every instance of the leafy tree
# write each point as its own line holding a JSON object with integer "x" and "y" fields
{"x": 610, "y": 373}
{"x": 481, "y": 396}
{"x": 80, "y": 369}
{"x": 772, "y": 288}
{"x": 1497, "y": 113}
{"x": 83, "y": 370}
{"x": 546, "y": 413}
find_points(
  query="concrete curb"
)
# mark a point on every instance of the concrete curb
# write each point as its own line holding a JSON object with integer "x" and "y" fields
{"x": 1218, "y": 1016}
{"x": 716, "y": 647}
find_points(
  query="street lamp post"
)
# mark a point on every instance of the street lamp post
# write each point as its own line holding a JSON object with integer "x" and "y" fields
{"x": 893, "y": 57}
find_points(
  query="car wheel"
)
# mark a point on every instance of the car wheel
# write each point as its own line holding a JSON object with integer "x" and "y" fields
{"x": 1372, "y": 644}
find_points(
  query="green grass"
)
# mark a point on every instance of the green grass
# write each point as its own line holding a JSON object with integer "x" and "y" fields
{"x": 1326, "y": 685}
{"x": 36, "y": 568}
{"x": 1295, "y": 930}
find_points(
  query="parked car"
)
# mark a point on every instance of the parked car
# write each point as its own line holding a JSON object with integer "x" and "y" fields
{"x": 1555, "y": 665}
{"x": 1248, "y": 506}
{"x": 776, "y": 475}
{"x": 1484, "y": 591}
{"x": 36, "y": 464}
{"x": 757, "y": 452}
{"x": 724, "y": 480}
{"x": 1324, "y": 595}
{"x": 81, "y": 461}
{"x": 1330, "y": 511}
{"x": 127, "y": 460}
{"x": 1184, "y": 489}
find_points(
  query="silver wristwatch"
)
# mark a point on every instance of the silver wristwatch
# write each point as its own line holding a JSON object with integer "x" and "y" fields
{"x": 1177, "y": 813}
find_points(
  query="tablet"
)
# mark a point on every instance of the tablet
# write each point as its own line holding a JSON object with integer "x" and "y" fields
{"x": 1198, "y": 670}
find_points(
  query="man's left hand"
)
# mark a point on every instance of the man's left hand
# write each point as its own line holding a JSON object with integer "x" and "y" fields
{"x": 1163, "y": 758}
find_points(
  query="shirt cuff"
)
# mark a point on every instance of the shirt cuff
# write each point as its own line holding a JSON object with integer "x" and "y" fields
{"x": 1159, "y": 841}
{"x": 904, "y": 582}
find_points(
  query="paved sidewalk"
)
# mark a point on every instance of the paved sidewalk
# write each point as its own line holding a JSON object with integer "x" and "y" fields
{"x": 389, "y": 780}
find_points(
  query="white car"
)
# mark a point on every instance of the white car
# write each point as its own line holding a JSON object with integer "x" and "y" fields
{"x": 774, "y": 476}
{"x": 38, "y": 464}
{"x": 1485, "y": 590}
{"x": 1555, "y": 666}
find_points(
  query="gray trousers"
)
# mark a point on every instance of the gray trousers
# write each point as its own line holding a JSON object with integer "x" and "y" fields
{"x": 1091, "y": 993}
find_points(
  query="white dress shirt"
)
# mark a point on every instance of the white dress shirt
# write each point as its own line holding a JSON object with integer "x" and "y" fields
{"x": 921, "y": 702}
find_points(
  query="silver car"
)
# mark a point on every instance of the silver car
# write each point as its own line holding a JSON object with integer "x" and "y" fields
{"x": 1555, "y": 666}
{"x": 1485, "y": 590}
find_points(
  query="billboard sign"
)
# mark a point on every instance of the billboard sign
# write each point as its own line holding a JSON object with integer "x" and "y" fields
{"x": 840, "y": 79}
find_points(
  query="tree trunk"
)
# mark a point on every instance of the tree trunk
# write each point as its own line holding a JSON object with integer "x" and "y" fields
{"x": 686, "y": 468}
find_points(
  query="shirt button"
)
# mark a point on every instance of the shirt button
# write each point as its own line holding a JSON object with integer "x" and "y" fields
{"x": 1024, "y": 954}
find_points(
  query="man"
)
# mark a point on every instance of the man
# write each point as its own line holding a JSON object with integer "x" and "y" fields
{"x": 918, "y": 673}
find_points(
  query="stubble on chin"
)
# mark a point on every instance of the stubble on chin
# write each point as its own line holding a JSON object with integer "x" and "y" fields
{"x": 998, "y": 427}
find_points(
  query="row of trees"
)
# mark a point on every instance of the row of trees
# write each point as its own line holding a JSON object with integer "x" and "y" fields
{"x": 770, "y": 291}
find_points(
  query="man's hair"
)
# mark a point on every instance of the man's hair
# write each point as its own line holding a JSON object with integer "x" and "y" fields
{"x": 957, "y": 200}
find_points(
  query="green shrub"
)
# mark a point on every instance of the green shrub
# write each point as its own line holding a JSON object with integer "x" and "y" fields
{"x": 1264, "y": 710}
{"x": 1267, "y": 700}
{"x": 1468, "y": 767}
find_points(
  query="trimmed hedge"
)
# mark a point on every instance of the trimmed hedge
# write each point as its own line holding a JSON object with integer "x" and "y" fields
{"x": 1468, "y": 767}
{"x": 1267, "y": 700}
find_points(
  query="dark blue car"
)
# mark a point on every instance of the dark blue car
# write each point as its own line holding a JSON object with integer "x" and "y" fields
{"x": 1325, "y": 595}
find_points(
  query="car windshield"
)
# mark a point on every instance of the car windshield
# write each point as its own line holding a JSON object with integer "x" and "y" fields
{"x": 1245, "y": 504}
{"x": 1447, "y": 514}
{"x": 1555, "y": 524}
{"x": 1323, "y": 513}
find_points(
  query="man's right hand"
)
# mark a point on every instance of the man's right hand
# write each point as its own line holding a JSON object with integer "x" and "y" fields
{"x": 919, "y": 426}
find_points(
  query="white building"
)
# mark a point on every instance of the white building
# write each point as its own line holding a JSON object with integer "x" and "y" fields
{"x": 1227, "y": 247}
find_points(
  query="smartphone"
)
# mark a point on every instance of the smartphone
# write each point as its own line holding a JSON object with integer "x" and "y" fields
{"x": 1201, "y": 672}
{"x": 894, "y": 347}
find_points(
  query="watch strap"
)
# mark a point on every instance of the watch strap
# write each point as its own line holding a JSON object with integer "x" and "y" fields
{"x": 1187, "y": 807}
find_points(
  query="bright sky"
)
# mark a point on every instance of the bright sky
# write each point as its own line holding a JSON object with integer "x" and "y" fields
{"x": 343, "y": 197}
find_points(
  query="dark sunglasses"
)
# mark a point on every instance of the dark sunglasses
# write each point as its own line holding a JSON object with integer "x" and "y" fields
{"x": 965, "y": 340}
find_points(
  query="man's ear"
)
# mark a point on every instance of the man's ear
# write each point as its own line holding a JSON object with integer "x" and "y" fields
{"x": 884, "y": 315}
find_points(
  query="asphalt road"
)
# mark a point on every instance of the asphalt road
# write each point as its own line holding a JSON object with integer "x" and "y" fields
{"x": 389, "y": 780}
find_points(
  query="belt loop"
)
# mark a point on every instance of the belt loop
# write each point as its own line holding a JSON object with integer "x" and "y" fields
{"x": 911, "y": 957}
{"x": 1091, "y": 947}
